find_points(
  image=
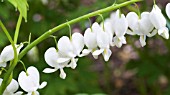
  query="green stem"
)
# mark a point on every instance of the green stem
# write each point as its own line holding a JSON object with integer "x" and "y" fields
{"x": 8, "y": 76}
{"x": 55, "y": 29}
{"x": 17, "y": 28}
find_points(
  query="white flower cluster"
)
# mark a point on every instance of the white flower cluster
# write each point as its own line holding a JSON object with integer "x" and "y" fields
{"x": 99, "y": 38}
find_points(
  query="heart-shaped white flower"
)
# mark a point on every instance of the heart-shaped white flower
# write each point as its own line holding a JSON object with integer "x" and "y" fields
{"x": 7, "y": 54}
{"x": 30, "y": 81}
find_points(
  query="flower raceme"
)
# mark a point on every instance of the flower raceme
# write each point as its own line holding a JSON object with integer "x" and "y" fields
{"x": 99, "y": 38}
{"x": 29, "y": 81}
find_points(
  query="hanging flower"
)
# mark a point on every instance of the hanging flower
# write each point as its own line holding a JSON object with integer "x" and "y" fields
{"x": 168, "y": 10}
{"x": 51, "y": 57}
{"x": 11, "y": 88}
{"x": 120, "y": 28}
{"x": 29, "y": 81}
{"x": 141, "y": 26}
{"x": 103, "y": 42}
{"x": 90, "y": 40}
{"x": 7, "y": 54}
{"x": 71, "y": 48}
{"x": 159, "y": 22}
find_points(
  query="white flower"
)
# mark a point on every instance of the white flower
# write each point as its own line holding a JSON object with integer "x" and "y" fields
{"x": 120, "y": 28}
{"x": 33, "y": 54}
{"x": 51, "y": 57}
{"x": 159, "y": 22}
{"x": 108, "y": 27}
{"x": 141, "y": 26}
{"x": 70, "y": 48}
{"x": 11, "y": 88}
{"x": 103, "y": 42}
{"x": 29, "y": 81}
{"x": 7, "y": 54}
{"x": 90, "y": 39}
{"x": 168, "y": 10}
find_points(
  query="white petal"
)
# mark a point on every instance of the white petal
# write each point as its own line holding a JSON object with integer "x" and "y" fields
{"x": 51, "y": 56}
{"x": 122, "y": 40}
{"x": 142, "y": 40}
{"x": 7, "y": 53}
{"x": 121, "y": 26}
{"x": 43, "y": 84}
{"x": 157, "y": 18}
{"x": 13, "y": 86}
{"x": 65, "y": 46}
{"x": 62, "y": 74}
{"x": 18, "y": 93}
{"x": 117, "y": 42}
{"x": 62, "y": 60}
{"x": 132, "y": 19}
{"x": 154, "y": 32}
{"x": 85, "y": 52}
{"x": 96, "y": 27}
{"x": 106, "y": 54}
{"x": 90, "y": 39}
{"x": 78, "y": 42}
{"x": 103, "y": 40}
{"x": 129, "y": 32}
{"x": 168, "y": 10}
{"x": 164, "y": 32}
{"x": 49, "y": 70}
{"x": 73, "y": 63}
{"x": 145, "y": 24}
{"x": 3, "y": 64}
{"x": 31, "y": 82}
{"x": 97, "y": 52}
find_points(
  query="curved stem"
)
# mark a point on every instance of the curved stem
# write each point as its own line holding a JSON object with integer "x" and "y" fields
{"x": 8, "y": 76}
{"x": 55, "y": 29}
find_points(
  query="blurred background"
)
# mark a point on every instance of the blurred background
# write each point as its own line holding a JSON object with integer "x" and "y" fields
{"x": 132, "y": 70}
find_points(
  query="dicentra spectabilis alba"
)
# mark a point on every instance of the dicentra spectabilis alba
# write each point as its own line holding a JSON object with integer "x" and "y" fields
{"x": 168, "y": 10}
{"x": 70, "y": 48}
{"x": 7, "y": 54}
{"x": 159, "y": 22}
{"x": 141, "y": 26}
{"x": 90, "y": 39}
{"x": 103, "y": 42}
{"x": 120, "y": 29}
{"x": 30, "y": 81}
{"x": 11, "y": 88}
{"x": 51, "y": 56}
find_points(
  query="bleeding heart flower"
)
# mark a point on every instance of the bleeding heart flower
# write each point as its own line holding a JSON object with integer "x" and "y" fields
{"x": 30, "y": 81}
{"x": 7, "y": 54}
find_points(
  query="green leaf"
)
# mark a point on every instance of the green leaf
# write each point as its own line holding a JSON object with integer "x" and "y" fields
{"x": 22, "y": 6}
